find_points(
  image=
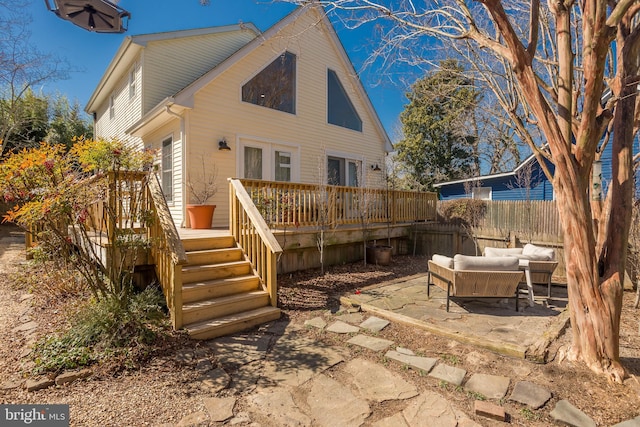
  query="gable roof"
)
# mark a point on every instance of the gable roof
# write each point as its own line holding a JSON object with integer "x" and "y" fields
{"x": 131, "y": 46}
{"x": 185, "y": 97}
{"x": 531, "y": 158}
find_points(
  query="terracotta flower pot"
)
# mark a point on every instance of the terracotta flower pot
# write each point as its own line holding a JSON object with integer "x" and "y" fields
{"x": 200, "y": 216}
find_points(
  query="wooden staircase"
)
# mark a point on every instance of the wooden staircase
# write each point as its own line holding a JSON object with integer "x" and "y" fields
{"x": 221, "y": 294}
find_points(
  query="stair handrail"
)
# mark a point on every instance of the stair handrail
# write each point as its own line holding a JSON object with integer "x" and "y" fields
{"x": 167, "y": 251}
{"x": 254, "y": 236}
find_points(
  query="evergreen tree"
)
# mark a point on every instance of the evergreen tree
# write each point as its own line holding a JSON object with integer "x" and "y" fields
{"x": 437, "y": 144}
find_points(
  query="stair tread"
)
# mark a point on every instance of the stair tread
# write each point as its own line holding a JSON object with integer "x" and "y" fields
{"x": 219, "y": 264}
{"x": 231, "y": 318}
{"x": 204, "y": 251}
{"x": 197, "y": 305}
{"x": 214, "y": 282}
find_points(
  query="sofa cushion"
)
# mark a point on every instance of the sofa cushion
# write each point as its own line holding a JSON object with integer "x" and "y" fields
{"x": 489, "y": 251}
{"x": 442, "y": 260}
{"x": 483, "y": 263}
{"x": 538, "y": 253}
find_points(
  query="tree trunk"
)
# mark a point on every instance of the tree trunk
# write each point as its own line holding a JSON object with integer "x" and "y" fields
{"x": 594, "y": 303}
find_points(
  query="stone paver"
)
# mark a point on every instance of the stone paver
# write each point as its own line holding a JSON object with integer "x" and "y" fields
{"x": 447, "y": 373}
{"x": 374, "y": 324}
{"x": 339, "y": 327}
{"x": 629, "y": 423}
{"x": 72, "y": 376}
{"x": 353, "y": 318}
{"x": 396, "y": 420}
{"x": 237, "y": 350}
{"x": 295, "y": 360}
{"x": 431, "y": 409}
{"x": 374, "y": 382}
{"x": 195, "y": 419}
{"x": 25, "y": 327}
{"x": 372, "y": 343}
{"x": 415, "y": 362}
{"x": 39, "y": 384}
{"x": 214, "y": 380}
{"x": 565, "y": 412}
{"x": 490, "y": 386}
{"x": 278, "y": 405}
{"x": 530, "y": 394}
{"x": 332, "y": 404}
{"x": 220, "y": 408}
{"x": 316, "y": 322}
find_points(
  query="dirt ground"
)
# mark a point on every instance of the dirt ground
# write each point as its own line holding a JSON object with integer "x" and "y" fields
{"x": 160, "y": 391}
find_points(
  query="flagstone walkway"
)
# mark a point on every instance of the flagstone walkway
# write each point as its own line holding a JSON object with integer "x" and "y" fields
{"x": 287, "y": 379}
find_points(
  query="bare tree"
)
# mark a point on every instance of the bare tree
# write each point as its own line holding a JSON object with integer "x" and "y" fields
{"x": 574, "y": 78}
{"x": 22, "y": 68}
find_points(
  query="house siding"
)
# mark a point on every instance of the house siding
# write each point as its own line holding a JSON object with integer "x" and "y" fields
{"x": 127, "y": 110}
{"x": 154, "y": 142}
{"x": 220, "y": 113}
{"x": 171, "y": 65}
{"x": 506, "y": 187}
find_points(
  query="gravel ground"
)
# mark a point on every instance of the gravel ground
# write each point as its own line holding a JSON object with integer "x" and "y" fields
{"x": 161, "y": 390}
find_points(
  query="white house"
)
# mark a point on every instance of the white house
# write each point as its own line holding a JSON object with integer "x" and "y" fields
{"x": 287, "y": 102}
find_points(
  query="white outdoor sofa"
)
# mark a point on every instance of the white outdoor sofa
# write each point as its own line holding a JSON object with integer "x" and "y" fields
{"x": 538, "y": 262}
{"x": 475, "y": 276}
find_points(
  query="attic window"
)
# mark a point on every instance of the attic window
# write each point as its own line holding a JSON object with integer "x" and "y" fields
{"x": 275, "y": 86}
{"x": 341, "y": 111}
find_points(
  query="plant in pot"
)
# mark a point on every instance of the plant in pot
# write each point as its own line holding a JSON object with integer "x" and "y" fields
{"x": 202, "y": 187}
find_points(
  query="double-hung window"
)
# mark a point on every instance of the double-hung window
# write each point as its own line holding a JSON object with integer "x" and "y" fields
{"x": 167, "y": 169}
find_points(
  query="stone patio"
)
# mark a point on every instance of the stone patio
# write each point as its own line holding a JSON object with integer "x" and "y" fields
{"x": 489, "y": 323}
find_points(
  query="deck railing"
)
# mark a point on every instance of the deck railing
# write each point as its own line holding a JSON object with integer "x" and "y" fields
{"x": 167, "y": 252}
{"x": 134, "y": 201}
{"x": 254, "y": 236}
{"x": 285, "y": 204}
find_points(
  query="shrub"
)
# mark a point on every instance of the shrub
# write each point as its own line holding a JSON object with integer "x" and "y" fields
{"x": 103, "y": 329}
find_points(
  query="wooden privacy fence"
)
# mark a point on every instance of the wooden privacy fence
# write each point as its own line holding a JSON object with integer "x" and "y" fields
{"x": 285, "y": 204}
{"x": 502, "y": 224}
{"x": 533, "y": 218}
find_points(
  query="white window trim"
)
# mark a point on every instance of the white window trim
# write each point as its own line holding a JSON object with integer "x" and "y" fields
{"x": 269, "y": 146}
{"x": 347, "y": 157}
{"x": 172, "y": 201}
{"x": 112, "y": 107}
{"x": 133, "y": 87}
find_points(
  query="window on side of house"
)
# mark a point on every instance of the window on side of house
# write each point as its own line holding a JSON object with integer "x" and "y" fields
{"x": 343, "y": 171}
{"x": 340, "y": 109}
{"x": 132, "y": 83}
{"x": 275, "y": 86}
{"x": 481, "y": 193}
{"x": 112, "y": 107}
{"x": 167, "y": 169}
{"x": 282, "y": 166}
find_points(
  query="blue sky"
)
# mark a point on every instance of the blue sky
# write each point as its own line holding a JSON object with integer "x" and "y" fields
{"x": 91, "y": 53}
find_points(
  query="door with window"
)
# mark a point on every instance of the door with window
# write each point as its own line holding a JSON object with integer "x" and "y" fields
{"x": 343, "y": 171}
{"x": 269, "y": 161}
